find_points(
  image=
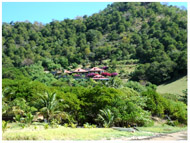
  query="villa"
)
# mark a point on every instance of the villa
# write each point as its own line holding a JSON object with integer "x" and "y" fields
{"x": 95, "y": 73}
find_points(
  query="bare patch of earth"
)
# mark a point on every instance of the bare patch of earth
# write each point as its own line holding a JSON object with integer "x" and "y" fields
{"x": 182, "y": 135}
{"x": 172, "y": 136}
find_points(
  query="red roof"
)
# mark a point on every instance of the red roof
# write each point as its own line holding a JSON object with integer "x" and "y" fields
{"x": 80, "y": 70}
{"x": 96, "y": 69}
{"x": 66, "y": 71}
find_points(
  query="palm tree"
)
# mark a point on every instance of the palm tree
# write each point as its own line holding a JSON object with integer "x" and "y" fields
{"x": 49, "y": 103}
{"x": 6, "y": 99}
{"x": 106, "y": 116}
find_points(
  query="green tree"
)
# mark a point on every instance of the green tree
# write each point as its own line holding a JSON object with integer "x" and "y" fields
{"x": 107, "y": 117}
{"x": 49, "y": 103}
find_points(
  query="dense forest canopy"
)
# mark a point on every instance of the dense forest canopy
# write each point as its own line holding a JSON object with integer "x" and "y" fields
{"x": 154, "y": 34}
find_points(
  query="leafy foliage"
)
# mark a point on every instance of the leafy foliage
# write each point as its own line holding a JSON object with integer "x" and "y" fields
{"x": 152, "y": 33}
{"x": 107, "y": 117}
{"x": 49, "y": 104}
{"x": 4, "y": 125}
{"x": 160, "y": 106}
{"x": 136, "y": 86}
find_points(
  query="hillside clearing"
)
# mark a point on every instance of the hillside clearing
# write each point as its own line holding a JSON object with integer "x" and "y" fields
{"x": 175, "y": 87}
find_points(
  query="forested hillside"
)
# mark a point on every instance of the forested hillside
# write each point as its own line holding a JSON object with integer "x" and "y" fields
{"x": 154, "y": 34}
{"x": 146, "y": 42}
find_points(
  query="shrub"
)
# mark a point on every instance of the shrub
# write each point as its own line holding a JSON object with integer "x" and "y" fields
{"x": 74, "y": 65}
{"x": 159, "y": 105}
{"x": 29, "y": 118}
{"x": 73, "y": 125}
{"x": 106, "y": 74}
{"x": 135, "y": 115}
{"x": 114, "y": 74}
{"x": 23, "y": 125}
{"x": 87, "y": 125}
{"x": 106, "y": 125}
{"x": 105, "y": 68}
{"x": 179, "y": 112}
{"x": 46, "y": 126}
{"x": 17, "y": 118}
{"x": 54, "y": 123}
{"x": 155, "y": 103}
{"x": 170, "y": 122}
{"x": 66, "y": 125}
{"x": 176, "y": 110}
{"x": 136, "y": 86}
{"x": 4, "y": 125}
{"x": 115, "y": 82}
{"x": 93, "y": 126}
{"x": 107, "y": 117}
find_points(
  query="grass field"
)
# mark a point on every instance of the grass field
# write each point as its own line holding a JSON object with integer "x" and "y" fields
{"x": 15, "y": 132}
{"x": 174, "y": 87}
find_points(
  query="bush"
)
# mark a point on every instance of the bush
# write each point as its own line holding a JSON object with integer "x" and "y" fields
{"x": 54, "y": 123}
{"x": 46, "y": 126}
{"x": 154, "y": 102}
{"x": 66, "y": 125}
{"x": 106, "y": 74}
{"x": 132, "y": 115}
{"x": 87, "y": 125}
{"x": 17, "y": 118}
{"x": 73, "y": 125}
{"x": 23, "y": 125}
{"x": 159, "y": 106}
{"x": 107, "y": 117}
{"x": 105, "y": 68}
{"x": 177, "y": 111}
{"x": 93, "y": 126}
{"x": 136, "y": 86}
{"x": 114, "y": 74}
{"x": 4, "y": 126}
{"x": 29, "y": 118}
{"x": 84, "y": 104}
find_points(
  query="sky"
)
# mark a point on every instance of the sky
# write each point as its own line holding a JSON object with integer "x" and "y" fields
{"x": 45, "y": 12}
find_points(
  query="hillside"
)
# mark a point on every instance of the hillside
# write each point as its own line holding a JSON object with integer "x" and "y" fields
{"x": 97, "y": 71}
{"x": 155, "y": 35}
{"x": 174, "y": 87}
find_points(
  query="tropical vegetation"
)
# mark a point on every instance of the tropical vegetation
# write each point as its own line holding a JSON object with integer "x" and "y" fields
{"x": 140, "y": 45}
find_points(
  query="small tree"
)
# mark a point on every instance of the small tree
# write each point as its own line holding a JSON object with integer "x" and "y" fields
{"x": 107, "y": 117}
{"x": 29, "y": 118}
{"x": 4, "y": 125}
{"x": 49, "y": 102}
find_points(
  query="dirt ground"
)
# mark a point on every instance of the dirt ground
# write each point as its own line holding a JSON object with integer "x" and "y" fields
{"x": 165, "y": 137}
{"x": 172, "y": 136}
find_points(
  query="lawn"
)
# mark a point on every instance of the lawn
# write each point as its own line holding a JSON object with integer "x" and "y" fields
{"x": 174, "y": 87}
{"x": 16, "y": 132}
